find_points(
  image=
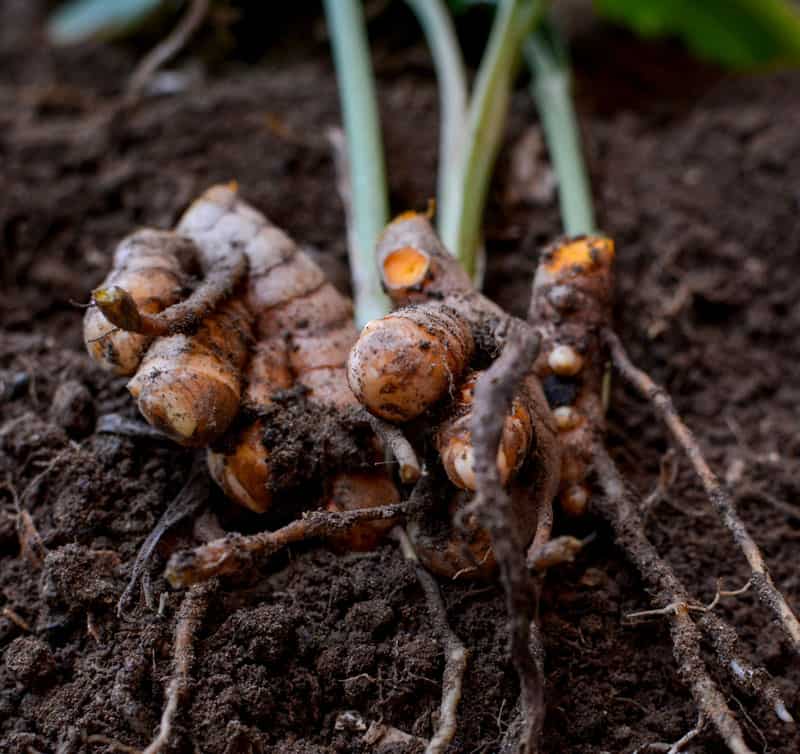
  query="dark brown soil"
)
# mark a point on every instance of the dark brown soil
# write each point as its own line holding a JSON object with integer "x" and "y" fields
{"x": 697, "y": 178}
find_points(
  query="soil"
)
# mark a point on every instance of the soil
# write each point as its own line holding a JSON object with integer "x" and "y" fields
{"x": 696, "y": 176}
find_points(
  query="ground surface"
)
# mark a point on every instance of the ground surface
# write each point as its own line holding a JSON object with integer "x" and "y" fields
{"x": 697, "y": 178}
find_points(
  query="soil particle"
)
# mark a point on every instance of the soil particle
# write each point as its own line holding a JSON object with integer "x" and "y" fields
{"x": 72, "y": 409}
{"x": 76, "y": 577}
{"x": 29, "y": 660}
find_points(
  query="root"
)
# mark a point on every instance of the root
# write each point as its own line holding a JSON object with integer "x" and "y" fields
{"x": 723, "y": 637}
{"x": 692, "y": 607}
{"x": 233, "y": 552}
{"x": 16, "y": 619}
{"x": 555, "y": 552}
{"x": 751, "y": 680}
{"x": 193, "y": 494}
{"x": 30, "y": 541}
{"x": 679, "y": 745}
{"x": 455, "y": 651}
{"x": 668, "y": 471}
{"x": 116, "y": 424}
{"x": 492, "y": 505}
{"x": 393, "y": 438}
{"x": 31, "y": 547}
{"x": 112, "y": 744}
{"x": 166, "y": 49}
{"x": 623, "y": 514}
{"x": 221, "y": 278}
{"x": 767, "y": 592}
{"x": 190, "y": 615}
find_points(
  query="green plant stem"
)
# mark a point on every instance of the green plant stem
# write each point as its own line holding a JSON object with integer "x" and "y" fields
{"x": 462, "y": 215}
{"x": 438, "y": 27}
{"x": 369, "y": 211}
{"x": 551, "y": 87}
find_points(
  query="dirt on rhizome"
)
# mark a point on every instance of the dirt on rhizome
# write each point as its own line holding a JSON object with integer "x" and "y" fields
{"x": 695, "y": 176}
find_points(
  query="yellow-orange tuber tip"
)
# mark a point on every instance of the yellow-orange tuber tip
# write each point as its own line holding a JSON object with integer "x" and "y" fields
{"x": 584, "y": 253}
{"x": 403, "y": 216}
{"x": 405, "y": 268}
{"x": 118, "y": 307}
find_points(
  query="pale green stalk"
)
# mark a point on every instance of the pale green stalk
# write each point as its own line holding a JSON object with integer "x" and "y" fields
{"x": 369, "y": 211}
{"x": 437, "y": 25}
{"x": 551, "y": 87}
{"x": 462, "y": 215}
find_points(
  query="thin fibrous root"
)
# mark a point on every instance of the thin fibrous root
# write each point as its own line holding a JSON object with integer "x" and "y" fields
{"x": 166, "y": 49}
{"x": 679, "y": 745}
{"x": 31, "y": 547}
{"x": 767, "y": 592}
{"x": 456, "y": 655}
{"x": 693, "y": 606}
{"x": 192, "y": 495}
{"x": 190, "y": 615}
{"x": 15, "y": 618}
{"x": 492, "y": 505}
{"x": 393, "y": 438}
{"x": 232, "y": 552}
{"x": 30, "y": 541}
{"x": 116, "y": 424}
{"x": 221, "y": 278}
{"x": 753, "y": 681}
{"x": 112, "y": 744}
{"x": 556, "y": 552}
{"x": 622, "y": 512}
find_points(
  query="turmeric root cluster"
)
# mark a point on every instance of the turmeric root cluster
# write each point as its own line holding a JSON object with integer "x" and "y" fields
{"x": 271, "y": 322}
{"x": 425, "y": 358}
{"x": 210, "y": 364}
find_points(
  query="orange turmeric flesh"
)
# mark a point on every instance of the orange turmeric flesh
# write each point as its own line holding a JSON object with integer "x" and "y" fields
{"x": 405, "y": 267}
{"x": 414, "y": 265}
{"x": 408, "y": 361}
{"x": 580, "y": 255}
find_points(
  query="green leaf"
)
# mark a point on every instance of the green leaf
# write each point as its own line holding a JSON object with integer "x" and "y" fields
{"x": 736, "y": 33}
{"x": 80, "y": 20}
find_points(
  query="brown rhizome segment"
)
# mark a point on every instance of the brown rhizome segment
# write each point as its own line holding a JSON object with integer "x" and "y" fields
{"x": 148, "y": 263}
{"x": 239, "y": 340}
{"x": 454, "y": 436}
{"x": 571, "y": 306}
{"x": 446, "y": 310}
